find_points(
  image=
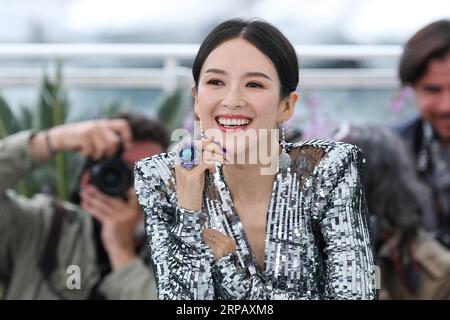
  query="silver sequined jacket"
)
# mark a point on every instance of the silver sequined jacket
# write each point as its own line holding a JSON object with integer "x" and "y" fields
{"x": 317, "y": 236}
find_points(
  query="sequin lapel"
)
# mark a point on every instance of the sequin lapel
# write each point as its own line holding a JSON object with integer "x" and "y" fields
{"x": 223, "y": 216}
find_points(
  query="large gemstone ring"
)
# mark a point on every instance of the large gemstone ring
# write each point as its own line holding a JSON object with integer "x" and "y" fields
{"x": 188, "y": 155}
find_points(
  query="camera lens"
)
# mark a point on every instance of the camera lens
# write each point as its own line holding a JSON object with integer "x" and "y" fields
{"x": 112, "y": 177}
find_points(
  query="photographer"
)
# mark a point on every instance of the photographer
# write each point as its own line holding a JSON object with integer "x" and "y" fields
{"x": 425, "y": 67}
{"x": 96, "y": 250}
{"x": 413, "y": 265}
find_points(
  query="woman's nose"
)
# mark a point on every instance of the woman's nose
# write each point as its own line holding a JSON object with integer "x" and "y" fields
{"x": 233, "y": 98}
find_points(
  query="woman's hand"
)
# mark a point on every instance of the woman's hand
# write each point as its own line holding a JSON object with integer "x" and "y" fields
{"x": 190, "y": 183}
{"x": 221, "y": 244}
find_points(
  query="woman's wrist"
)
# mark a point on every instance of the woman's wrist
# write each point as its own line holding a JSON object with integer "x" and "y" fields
{"x": 187, "y": 205}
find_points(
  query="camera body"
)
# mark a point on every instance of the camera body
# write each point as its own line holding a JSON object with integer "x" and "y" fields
{"x": 112, "y": 176}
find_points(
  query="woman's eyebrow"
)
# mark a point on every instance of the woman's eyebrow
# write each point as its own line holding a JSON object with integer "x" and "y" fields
{"x": 246, "y": 75}
{"x": 214, "y": 70}
{"x": 257, "y": 74}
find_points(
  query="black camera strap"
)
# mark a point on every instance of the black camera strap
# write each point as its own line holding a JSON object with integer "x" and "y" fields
{"x": 104, "y": 263}
{"x": 48, "y": 261}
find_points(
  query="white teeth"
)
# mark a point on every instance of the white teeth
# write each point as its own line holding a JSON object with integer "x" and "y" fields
{"x": 233, "y": 122}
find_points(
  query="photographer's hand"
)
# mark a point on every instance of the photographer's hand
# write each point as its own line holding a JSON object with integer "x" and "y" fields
{"x": 118, "y": 218}
{"x": 94, "y": 139}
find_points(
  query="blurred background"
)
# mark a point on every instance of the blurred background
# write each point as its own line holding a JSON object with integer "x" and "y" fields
{"x": 136, "y": 54}
{"x": 70, "y": 60}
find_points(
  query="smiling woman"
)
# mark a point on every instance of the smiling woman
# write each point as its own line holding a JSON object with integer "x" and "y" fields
{"x": 224, "y": 228}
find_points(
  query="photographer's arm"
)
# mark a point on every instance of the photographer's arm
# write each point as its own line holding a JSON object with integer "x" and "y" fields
{"x": 93, "y": 139}
{"x": 22, "y": 152}
{"x": 17, "y": 213}
{"x": 16, "y": 158}
{"x": 135, "y": 281}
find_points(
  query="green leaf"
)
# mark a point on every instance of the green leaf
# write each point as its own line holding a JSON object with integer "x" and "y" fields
{"x": 8, "y": 122}
{"x": 171, "y": 109}
{"x": 26, "y": 119}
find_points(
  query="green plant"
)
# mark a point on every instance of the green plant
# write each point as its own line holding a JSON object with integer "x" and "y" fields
{"x": 8, "y": 122}
{"x": 59, "y": 175}
{"x": 172, "y": 108}
{"x": 52, "y": 109}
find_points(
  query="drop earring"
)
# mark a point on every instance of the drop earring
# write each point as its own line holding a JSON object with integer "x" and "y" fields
{"x": 202, "y": 134}
{"x": 284, "y": 160}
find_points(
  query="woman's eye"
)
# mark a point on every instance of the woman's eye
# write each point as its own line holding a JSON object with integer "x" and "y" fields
{"x": 254, "y": 85}
{"x": 214, "y": 82}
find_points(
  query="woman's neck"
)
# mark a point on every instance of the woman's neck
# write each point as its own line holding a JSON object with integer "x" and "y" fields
{"x": 247, "y": 183}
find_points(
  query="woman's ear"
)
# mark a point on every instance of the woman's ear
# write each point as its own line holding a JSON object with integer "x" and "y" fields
{"x": 194, "y": 96}
{"x": 194, "y": 93}
{"x": 286, "y": 107}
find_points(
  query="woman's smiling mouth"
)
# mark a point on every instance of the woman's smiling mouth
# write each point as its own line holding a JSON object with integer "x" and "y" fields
{"x": 230, "y": 122}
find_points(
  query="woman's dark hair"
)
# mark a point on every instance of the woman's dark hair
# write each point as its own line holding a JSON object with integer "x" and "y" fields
{"x": 264, "y": 36}
{"x": 430, "y": 42}
{"x": 394, "y": 194}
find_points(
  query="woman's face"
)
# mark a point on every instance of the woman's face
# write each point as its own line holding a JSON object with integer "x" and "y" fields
{"x": 238, "y": 94}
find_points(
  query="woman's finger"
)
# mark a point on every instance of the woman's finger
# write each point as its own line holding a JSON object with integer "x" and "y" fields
{"x": 206, "y": 163}
{"x": 211, "y": 158}
{"x": 221, "y": 244}
{"x": 215, "y": 148}
{"x": 214, "y": 236}
{"x": 208, "y": 236}
{"x": 228, "y": 241}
